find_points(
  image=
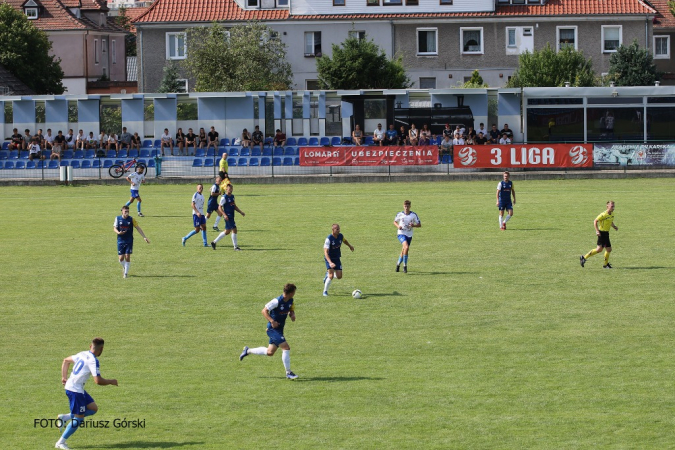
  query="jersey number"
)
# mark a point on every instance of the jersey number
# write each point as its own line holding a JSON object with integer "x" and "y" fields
{"x": 78, "y": 367}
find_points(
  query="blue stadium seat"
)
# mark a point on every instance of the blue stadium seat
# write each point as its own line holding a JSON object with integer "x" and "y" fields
{"x": 154, "y": 152}
{"x": 267, "y": 152}
{"x": 75, "y": 163}
{"x": 296, "y": 161}
{"x": 9, "y": 164}
{"x": 86, "y": 164}
{"x": 53, "y": 164}
{"x": 243, "y": 162}
{"x": 290, "y": 151}
{"x": 233, "y": 151}
{"x": 147, "y": 143}
{"x": 288, "y": 161}
{"x": 256, "y": 151}
{"x": 324, "y": 141}
{"x": 253, "y": 162}
{"x": 314, "y": 142}
{"x": 95, "y": 164}
{"x": 42, "y": 164}
{"x": 151, "y": 162}
{"x": 245, "y": 152}
{"x": 46, "y": 154}
{"x": 133, "y": 153}
{"x": 232, "y": 162}
{"x": 335, "y": 140}
{"x": 23, "y": 154}
{"x": 224, "y": 142}
{"x": 5, "y": 145}
{"x": 291, "y": 141}
{"x": 157, "y": 143}
{"x": 68, "y": 154}
{"x": 200, "y": 153}
{"x": 197, "y": 162}
{"x": 4, "y": 154}
{"x": 107, "y": 163}
{"x": 78, "y": 154}
{"x": 268, "y": 141}
{"x": 369, "y": 140}
{"x": 122, "y": 153}
{"x": 20, "y": 165}
{"x": 276, "y": 161}
{"x": 447, "y": 159}
{"x": 143, "y": 161}
{"x": 30, "y": 165}
{"x": 65, "y": 163}
{"x": 278, "y": 151}
{"x": 301, "y": 141}
{"x": 145, "y": 153}
{"x": 211, "y": 152}
{"x": 264, "y": 161}
{"x": 90, "y": 154}
{"x": 111, "y": 154}
{"x": 208, "y": 162}
{"x": 13, "y": 154}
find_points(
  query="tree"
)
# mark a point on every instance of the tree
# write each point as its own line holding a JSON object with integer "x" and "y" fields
{"x": 123, "y": 21}
{"x": 248, "y": 57}
{"x": 19, "y": 38}
{"x": 170, "y": 81}
{"x": 546, "y": 68}
{"x": 361, "y": 64}
{"x": 476, "y": 81}
{"x": 632, "y": 66}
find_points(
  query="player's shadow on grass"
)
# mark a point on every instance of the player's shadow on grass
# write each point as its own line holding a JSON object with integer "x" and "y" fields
{"x": 264, "y": 249}
{"x": 335, "y": 379}
{"x": 644, "y": 268}
{"x": 145, "y": 444}
{"x": 532, "y": 229}
{"x": 162, "y": 276}
{"x": 165, "y": 217}
{"x": 381, "y": 294}
{"x": 440, "y": 273}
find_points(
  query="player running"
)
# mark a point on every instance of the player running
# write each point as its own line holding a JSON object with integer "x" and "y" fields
{"x": 405, "y": 221}
{"x": 198, "y": 219}
{"x": 331, "y": 255}
{"x": 504, "y": 192}
{"x": 124, "y": 228}
{"x": 213, "y": 203}
{"x": 276, "y": 311}
{"x": 602, "y": 224}
{"x": 82, "y": 405}
{"x": 227, "y": 209}
{"x": 136, "y": 179}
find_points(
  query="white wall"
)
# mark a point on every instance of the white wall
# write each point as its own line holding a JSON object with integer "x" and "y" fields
{"x": 300, "y": 7}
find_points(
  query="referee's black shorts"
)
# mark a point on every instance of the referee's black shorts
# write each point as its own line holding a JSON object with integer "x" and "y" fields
{"x": 603, "y": 239}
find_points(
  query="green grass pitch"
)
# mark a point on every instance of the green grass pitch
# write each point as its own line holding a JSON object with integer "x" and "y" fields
{"x": 493, "y": 340}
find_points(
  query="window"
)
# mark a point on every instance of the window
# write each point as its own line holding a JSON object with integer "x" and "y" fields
{"x": 313, "y": 43}
{"x": 527, "y": 31}
{"x": 104, "y": 46}
{"x": 252, "y": 3}
{"x": 312, "y": 85}
{"x": 392, "y": 2}
{"x": 32, "y": 13}
{"x": 360, "y": 35}
{"x": 372, "y": 2}
{"x": 338, "y": 2}
{"x": 412, "y": 2}
{"x": 446, "y": 2}
{"x": 510, "y": 37}
{"x": 471, "y": 40}
{"x": 176, "y": 46}
{"x": 282, "y": 2}
{"x": 427, "y": 41}
{"x": 183, "y": 85}
{"x": 113, "y": 51}
{"x": 96, "y": 51}
{"x": 611, "y": 38}
{"x": 427, "y": 83}
{"x": 661, "y": 47}
{"x": 567, "y": 37}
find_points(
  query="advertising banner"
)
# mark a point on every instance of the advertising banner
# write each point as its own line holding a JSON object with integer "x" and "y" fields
{"x": 634, "y": 154}
{"x": 369, "y": 156}
{"x": 523, "y": 155}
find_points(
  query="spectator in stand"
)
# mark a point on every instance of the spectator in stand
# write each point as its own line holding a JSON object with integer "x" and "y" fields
{"x": 124, "y": 140}
{"x": 402, "y": 136}
{"x": 378, "y": 135}
{"x": 245, "y": 139}
{"x": 508, "y": 132}
{"x": 471, "y": 133}
{"x": 357, "y": 135}
{"x": 459, "y": 129}
{"x": 447, "y": 131}
{"x": 190, "y": 140}
{"x": 34, "y": 151}
{"x": 279, "y": 139}
{"x": 17, "y": 140}
{"x": 481, "y": 129}
{"x": 505, "y": 139}
{"x": 70, "y": 139}
{"x": 446, "y": 145}
{"x": 166, "y": 141}
{"x": 92, "y": 143}
{"x": 458, "y": 140}
{"x": 49, "y": 140}
{"x": 58, "y": 145}
{"x": 102, "y": 141}
{"x": 469, "y": 140}
{"x": 481, "y": 139}
{"x": 27, "y": 139}
{"x": 203, "y": 140}
{"x": 258, "y": 137}
{"x": 40, "y": 137}
{"x": 425, "y": 135}
{"x": 413, "y": 135}
{"x": 135, "y": 142}
{"x": 494, "y": 134}
{"x": 391, "y": 136}
{"x": 212, "y": 139}
{"x": 80, "y": 141}
{"x": 112, "y": 142}
{"x": 180, "y": 141}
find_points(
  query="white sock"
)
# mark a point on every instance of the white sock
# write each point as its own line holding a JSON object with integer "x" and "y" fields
{"x": 286, "y": 358}
{"x": 122, "y": 263}
{"x": 234, "y": 239}
{"x": 500, "y": 221}
{"x": 326, "y": 285}
{"x": 65, "y": 417}
{"x": 217, "y": 221}
{"x": 506, "y": 219}
{"x": 258, "y": 351}
{"x": 219, "y": 237}
{"x": 61, "y": 441}
{"x": 126, "y": 266}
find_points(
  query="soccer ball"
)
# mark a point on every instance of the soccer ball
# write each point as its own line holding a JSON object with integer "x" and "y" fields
{"x": 356, "y": 293}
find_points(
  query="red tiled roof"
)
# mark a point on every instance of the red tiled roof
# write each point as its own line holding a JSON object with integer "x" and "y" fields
{"x": 135, "y": 13}
{"x": 57, "y": 17}
{"x": 664, "y": 18}
{"x": 205, "y": 11}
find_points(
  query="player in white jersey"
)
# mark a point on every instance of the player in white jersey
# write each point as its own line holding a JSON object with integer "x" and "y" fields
{"x": 136, "y": 179}
{"x": 405, "y": 221}
{"x": 198, "y": 218}
{"x": 85, "y": 364}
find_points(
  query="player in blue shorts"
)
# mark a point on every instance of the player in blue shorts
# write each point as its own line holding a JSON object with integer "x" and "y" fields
{"x": 85, "y": 364}
{"x": 227, "y": 208}
{"x": 276, "y": 311}
{"x": 124, "y": 229}
{"x": 504, "y": 192}
{"x": 331, "y": 255}
{"x": 198, "y": 218}
{"x": 213, "y": 203}
{"x": 136, "y": 179}
{"x": 404, "y": 222}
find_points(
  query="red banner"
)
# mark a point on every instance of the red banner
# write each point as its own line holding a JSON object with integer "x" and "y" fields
{"x": 369, "y": 156}
{"x": 523, "y": 155}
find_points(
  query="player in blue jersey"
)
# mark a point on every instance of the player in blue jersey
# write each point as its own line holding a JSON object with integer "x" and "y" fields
{"x": 85, "y": 364}
{"x": 213, "y": 203}
{"x": 276, "y": 311}
{"x": 405, "y": 221}
{"x": 124, "y": 229}
{"x": 227, "y": 208}
{"x": 136, "y": 179}
{"x": 331, "y": 255}
{"x": 198, "y": 218}
{"x": 504, "y": 192}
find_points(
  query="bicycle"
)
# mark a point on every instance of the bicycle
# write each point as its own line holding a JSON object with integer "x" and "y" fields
{"x": 117, "y": 170}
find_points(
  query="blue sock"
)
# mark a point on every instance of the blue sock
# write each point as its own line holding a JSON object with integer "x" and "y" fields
{"x": 400, "y": 258}
{"x": 405, "y": 260}
{"x": 72, "y": 427}
{"x": 138, "y": 206}
{"x": 190, "y": 234}
{"x": 204, "y": 237}
{"x": 127, "y": 203}
{"x": 89, "y": 412}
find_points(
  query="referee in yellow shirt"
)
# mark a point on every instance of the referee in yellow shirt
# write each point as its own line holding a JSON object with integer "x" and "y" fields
{"x": 602, "y": 224}
{"x": 223, "y": 166}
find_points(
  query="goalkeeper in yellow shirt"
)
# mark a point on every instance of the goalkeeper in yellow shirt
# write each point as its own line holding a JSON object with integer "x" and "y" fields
{"x": 602, "y": 224}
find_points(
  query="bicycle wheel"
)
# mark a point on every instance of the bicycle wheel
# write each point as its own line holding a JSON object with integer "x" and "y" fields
{"x": 116, "y": 171}
{"x": 145, "y": 168}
